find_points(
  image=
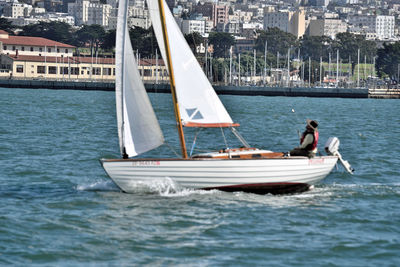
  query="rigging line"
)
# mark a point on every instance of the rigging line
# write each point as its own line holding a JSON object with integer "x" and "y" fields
{"x": 194, "y": 141}
{"x": 223, "y": 135}
{"x": 240, "y": 137}
{"x": 172, "y": 149}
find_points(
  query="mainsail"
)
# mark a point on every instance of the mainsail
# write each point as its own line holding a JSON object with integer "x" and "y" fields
{"x": 138, "y": 127}
{"x": 198, "y": 103}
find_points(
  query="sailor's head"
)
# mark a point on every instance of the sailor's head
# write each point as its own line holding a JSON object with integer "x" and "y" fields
{"x": 311, "y": 124}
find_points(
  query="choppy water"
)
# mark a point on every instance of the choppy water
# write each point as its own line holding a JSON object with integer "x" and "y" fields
{"x": 58, "y": 208}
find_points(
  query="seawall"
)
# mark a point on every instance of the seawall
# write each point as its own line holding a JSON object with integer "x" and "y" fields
{"x": 164, "y": 88}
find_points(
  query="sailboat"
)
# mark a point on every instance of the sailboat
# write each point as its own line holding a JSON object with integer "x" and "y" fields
{"x": 195, "y": 105}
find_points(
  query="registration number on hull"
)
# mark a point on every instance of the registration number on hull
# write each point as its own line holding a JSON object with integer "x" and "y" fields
{"x": 315, "y": 161}
{"x": 146, "y": 163}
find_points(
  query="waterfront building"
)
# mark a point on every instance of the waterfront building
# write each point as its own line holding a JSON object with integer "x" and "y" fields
{"x": 33, "y": 46}
{"x": 74, "y": 68}
{"x": 39, "y": 58}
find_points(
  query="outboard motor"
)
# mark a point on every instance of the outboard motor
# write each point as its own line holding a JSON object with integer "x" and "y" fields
{"x": 332, "y": 149}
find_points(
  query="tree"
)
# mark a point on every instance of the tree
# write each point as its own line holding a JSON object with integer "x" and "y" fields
{"x": 54, "y": 30}
{"x": 278, "y": 41}
{"x": 348, "y": 45}
{"x": 143, "y": 40}
{"x": 92, "y": 34}
{"x": 315, "y": 47}
{"x": 388, "y": 60}
{"x": 6, "y": 25}
{"x": 221, "y": 42}
{"x": 194, "y": 39}
{"x": 109, "y": 40}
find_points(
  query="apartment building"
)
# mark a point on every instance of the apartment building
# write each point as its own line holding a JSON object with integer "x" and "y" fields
{"x": 80, "y": 11}
{"x": 382, "y": 26}
{"x": 217, "y": 13}
{"x": 287, "y": 21}
{"x": 326, "y": 27}
{"x": 193, "y": 25}
{"x": 16, "y": 10}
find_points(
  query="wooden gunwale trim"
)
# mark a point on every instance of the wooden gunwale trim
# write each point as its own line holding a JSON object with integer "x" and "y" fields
{"x": 210, "y": 125}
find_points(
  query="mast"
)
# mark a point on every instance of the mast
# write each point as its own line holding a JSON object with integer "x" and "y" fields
{"x": 172, "y": 80}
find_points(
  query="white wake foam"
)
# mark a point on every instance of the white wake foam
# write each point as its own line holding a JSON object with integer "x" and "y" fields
{"x": 98, "y": 186}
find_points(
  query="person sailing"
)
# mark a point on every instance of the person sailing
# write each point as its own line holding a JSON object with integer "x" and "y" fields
{"x": 308, "y": 141}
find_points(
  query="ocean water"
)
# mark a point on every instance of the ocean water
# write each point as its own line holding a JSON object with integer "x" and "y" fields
{"x": 58, "y": 207}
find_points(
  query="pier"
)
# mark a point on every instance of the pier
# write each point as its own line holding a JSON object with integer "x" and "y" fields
{"x": 220, "y": 89}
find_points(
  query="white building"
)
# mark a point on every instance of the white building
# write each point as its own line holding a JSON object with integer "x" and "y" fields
{"x": 16, "y": 10}
{"x": 190, "y": 25}
{"x": 384, "y": 27}
{"x": 381, "y": 26}
{"x": 47, "y": 17}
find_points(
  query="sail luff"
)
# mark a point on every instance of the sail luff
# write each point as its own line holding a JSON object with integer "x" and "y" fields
{"x": 172, "y": 80}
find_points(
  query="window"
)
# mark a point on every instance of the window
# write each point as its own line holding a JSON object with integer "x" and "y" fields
{"x": 49, "y": 50}
{"x": 75, "y": 70}
{"x": 58, "y": 50}
{"x": 52, "y": 70}
{"x": 4, "y": 47}
{"x": 31, "y": 49}
{"x": 13, "y": 48}
{"x": 63, "y": 70}
{"x": 23, "y": 48}
{"x": 147, "y": 73}
{"x": 66, "y": 50}
{"x": 106, "y": 71}
{"x": 96, "y": 71}
{"x": 20, "y": 68}
{"x": 41, "y": 69}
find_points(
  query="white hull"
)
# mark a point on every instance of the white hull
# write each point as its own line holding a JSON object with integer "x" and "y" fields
{"x": 281, "y": 175}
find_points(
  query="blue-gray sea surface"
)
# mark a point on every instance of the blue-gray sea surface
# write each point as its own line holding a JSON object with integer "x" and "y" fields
{"x": 58, "y": 207}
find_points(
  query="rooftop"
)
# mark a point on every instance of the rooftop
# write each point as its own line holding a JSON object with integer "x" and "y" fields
{"x": 32, "y": 41}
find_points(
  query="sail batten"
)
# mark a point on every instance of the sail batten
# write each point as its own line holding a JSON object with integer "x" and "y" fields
{"x": 198, "y": 102}
{"x": 138, "y": 127}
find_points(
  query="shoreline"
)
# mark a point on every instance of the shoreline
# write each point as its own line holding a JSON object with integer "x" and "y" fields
{"x": 220, "y": 89}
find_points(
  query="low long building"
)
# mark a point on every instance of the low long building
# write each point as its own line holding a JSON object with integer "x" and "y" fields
{"x": 26, "y": 57}
{"x": 73, "y": 68}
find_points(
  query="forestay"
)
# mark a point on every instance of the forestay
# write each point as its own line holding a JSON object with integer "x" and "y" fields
{"x": 198, "y": 103}
{"x": 138, "y": 127}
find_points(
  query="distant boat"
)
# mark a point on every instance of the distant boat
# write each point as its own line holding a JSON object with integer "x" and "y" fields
{"x": 196, "y": 105}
